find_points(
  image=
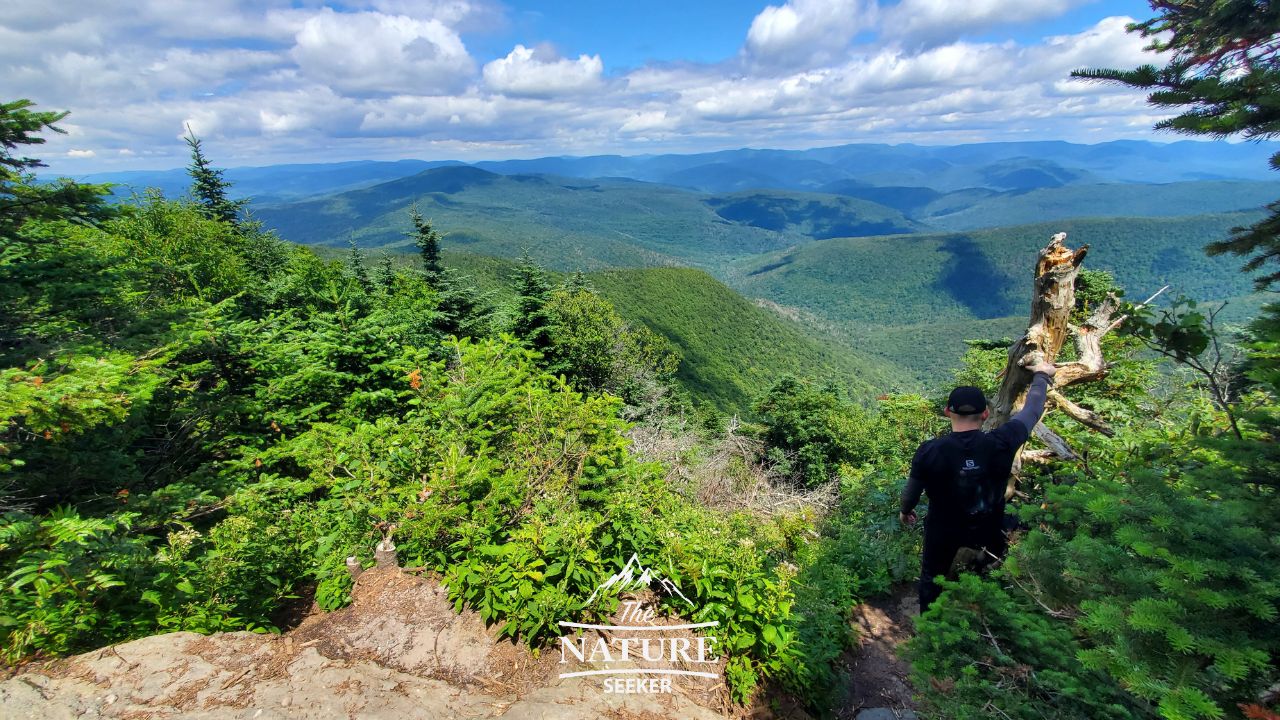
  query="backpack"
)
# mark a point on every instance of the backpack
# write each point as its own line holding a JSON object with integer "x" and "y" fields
{"x": 974, "y": 493}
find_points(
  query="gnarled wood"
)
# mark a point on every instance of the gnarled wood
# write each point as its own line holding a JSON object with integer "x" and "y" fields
{"x": 1055, "y": 443}
{"x": 1052, "y": 301}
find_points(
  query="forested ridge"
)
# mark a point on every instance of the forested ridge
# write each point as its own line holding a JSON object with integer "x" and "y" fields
{"x": 204, "y": 421}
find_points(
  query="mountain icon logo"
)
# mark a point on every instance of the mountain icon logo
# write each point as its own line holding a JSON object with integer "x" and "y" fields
{"x": 635, "y": 576}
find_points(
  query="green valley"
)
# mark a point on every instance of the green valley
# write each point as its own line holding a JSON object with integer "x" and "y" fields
{"x": 895, "y": 295}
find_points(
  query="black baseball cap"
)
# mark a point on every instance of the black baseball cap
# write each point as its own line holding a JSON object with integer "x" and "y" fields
{"x": 966, "y": 400}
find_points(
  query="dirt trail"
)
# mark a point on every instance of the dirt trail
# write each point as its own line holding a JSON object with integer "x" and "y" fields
{"x": 878, "y": 677}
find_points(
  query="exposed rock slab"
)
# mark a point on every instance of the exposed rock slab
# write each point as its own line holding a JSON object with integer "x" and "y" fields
{"x": 398, "y": 652}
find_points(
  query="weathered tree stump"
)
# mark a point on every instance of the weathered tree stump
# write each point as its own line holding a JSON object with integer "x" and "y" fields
{"x": 354, "y": 567}
{"x": 385, "y": 554}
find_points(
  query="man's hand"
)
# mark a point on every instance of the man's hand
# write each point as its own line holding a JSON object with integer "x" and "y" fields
{"x": 1047, "y": 368}
{"x": 908, "y": 518}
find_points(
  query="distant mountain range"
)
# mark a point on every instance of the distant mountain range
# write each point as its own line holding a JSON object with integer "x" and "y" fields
{"x": 1008, "y": 166}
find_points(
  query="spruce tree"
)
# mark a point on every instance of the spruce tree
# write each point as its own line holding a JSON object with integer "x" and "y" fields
{"x": 21, "y": 197}
{"x": 208, "y": 187}
{"x": 386, "y": 277}
{"x": 355, "y": 259}
{"x": 576, "y": 283}
{"x": 1224, "y": 75}
{"x": 461, "y": 310}
{"x": 532, "y": 322}
{"x": 428, "y": 242}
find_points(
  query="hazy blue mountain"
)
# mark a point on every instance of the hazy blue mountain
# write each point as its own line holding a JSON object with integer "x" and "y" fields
{"x": 1002, "y": 167}
{"x": 572, "y": 223}
{"x": 969, "y": 209}
{"x": 272, "y": 182}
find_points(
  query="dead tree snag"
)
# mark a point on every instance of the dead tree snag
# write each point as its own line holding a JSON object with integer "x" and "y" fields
{"x": 1052, "y": 302}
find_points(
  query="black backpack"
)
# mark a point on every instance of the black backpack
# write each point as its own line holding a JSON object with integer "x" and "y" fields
{"x": 974, "y": 488}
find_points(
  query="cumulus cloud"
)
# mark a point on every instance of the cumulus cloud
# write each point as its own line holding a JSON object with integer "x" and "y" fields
{"x": 540, "y": 73}
{"x": 76, "y": 153}
{"x": 805, "y": 32}
{"x": 369, "y": 52}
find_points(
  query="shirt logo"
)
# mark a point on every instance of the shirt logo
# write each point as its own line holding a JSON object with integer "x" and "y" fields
{"x": 970, "y": 465}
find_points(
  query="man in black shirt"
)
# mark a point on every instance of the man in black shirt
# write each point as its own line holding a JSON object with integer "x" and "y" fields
{"x": 965, "y": 474}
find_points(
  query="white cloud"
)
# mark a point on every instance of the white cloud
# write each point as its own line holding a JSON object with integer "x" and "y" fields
{"x": 371, "y": 53}
{"x": 935, "y": 21}
{"x": 539, "y": 73}
{"x": 650, "y": 121}
{"x": 805, "y": 32}
{"x": 1106, "y": 44}
{"x": 76, "y": 153}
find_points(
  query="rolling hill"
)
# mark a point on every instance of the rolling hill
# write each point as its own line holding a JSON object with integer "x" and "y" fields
{"x": 734, "y": 349}
{"x": 998, "y": 166}
{"x": 1001, "y": 167}
{"x": 969, "y": 210}
{"x": 271, "y": 183}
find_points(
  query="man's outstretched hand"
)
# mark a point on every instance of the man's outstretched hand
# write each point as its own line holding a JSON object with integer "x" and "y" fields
{"x": 907, "y": 518}
{"x": 1047, "y": 368}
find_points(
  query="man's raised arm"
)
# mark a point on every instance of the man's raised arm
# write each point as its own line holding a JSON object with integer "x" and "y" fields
{"x": 1033, "y": 407}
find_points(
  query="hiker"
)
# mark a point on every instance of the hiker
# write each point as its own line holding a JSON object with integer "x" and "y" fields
{"x": 965, "y": 474}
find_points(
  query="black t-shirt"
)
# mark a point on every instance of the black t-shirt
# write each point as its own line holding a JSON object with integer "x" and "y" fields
{"x": 965, "y": 473}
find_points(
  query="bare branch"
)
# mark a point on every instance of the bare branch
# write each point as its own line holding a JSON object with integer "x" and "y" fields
{"x": 1084, "y": 416}
{"x": 1055, "y": 443}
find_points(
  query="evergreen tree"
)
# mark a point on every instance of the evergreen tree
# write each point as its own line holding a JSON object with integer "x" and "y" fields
{"x": 576, "y": 283}
{"x": 532, "y": 322}
{"x": 428, "y": 242}
{"x": 461, "y": 310}
{"x": 1224, "y": 75}
{"x": 386, "y": 272}
{"x": 41, "y": 278}
{"x": 21, "y": 198}
{"x": 209, "y": 188}
{"x": 355, "y": 259}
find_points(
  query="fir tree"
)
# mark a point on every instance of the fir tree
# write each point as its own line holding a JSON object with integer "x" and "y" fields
{"x": 1224, "y": 75}
{"x": 21, "y": 198}
{"x": 386, "y": 277}
{"x": 427, "y": 240}
{"x": 460, "y": 309}
{"x": 532, "y": 322}
{"x": 355, "y": 259}
{"x": 208, "y": 187}
{"x": 577, "y": 283}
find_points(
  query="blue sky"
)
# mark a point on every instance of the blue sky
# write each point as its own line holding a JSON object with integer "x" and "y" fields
{"x": 266, "y": 81}
{"x": 707, "y": 31}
